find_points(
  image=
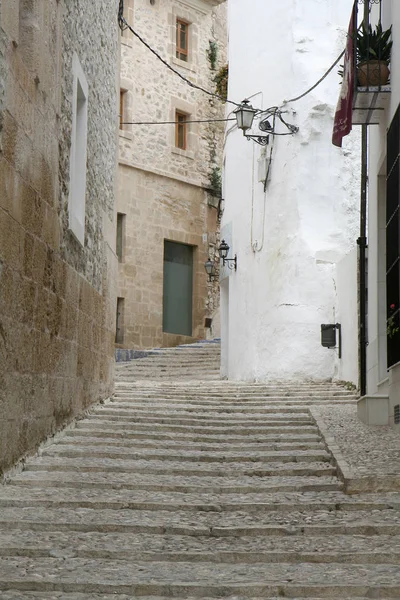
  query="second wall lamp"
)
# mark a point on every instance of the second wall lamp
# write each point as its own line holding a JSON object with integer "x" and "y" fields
{"x": 223, "y": 251}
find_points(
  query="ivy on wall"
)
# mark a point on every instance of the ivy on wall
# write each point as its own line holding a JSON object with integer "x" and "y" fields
{"x": 221, "y": 82}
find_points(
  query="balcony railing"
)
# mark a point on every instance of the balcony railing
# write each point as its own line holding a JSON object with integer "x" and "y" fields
{"x": 371, "y": 52}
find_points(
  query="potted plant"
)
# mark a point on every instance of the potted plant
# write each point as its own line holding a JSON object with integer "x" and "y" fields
{"x": 373, "y": 55}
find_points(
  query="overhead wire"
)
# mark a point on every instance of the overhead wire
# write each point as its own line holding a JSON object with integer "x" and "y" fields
{"x": 125, "y": 25}
{"x": 318, "y": 82}
{"x": 176, "y": 122}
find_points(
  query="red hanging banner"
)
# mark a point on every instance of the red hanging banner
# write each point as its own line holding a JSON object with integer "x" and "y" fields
{"x": 343, "y": 117}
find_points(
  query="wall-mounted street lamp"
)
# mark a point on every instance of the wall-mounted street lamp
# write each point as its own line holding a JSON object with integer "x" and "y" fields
{"x": 245, "y": 114}
{"x": 210, "y": 269}
{"x": 223, "y": 251}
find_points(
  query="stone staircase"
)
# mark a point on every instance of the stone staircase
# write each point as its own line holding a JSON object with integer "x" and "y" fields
{"x": 195, "y": 488}
{"x": 191, "y": 361}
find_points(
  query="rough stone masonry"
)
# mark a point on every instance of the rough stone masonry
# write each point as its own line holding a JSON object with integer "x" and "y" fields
{"x": 56, "y": 296}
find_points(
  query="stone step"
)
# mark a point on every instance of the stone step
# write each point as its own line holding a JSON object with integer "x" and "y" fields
{"x": 198, "y": 420}
{"x": 119, "y": 499}
{"x": 265, "y": 428}
{"x": 174, "y": 361}
{"x": 181, "y": 376}
{"x": 22, "y": 595}
{"x": 158, "y": 391}
{"x": 246, "y": 401}
{"x": 205, "y": 390}
{"x": 218, "y": 391}
{"x": 256, "y": 386}
{"x": 228, "y": 401}
{"x": 201, "y": 523}
{"x": 159, "y": 367}
{"x": 240, "y": 387}
{"x": 157, "y": 548}
{"x": 259, "y": 469}
{"x": 185, "y": 438}
{"x": 93, "y": 438}
{"x": 151, "y": 548}
{"x": 144, "y": 408}
{"x": 185, "y": 484}
{"x": 112, "y": 452}
{"x": 232, "y": 405}
{"x": 166, "y": 409}
{"x": 181, "y": 580}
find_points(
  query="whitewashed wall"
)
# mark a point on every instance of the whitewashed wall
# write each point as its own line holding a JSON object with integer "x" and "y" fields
{"x": 381, "y": 381}
{"x": 289, "y": 240}
{"x": 347, "y": 316}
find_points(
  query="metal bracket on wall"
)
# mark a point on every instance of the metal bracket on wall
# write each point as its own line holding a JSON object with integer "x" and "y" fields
{"x": 339, "y": 328}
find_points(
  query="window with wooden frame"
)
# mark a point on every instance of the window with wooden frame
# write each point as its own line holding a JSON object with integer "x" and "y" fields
{"x": 122, "y": 98}
{"x": 180, "y": 130}
{"x": 182, "y": 39}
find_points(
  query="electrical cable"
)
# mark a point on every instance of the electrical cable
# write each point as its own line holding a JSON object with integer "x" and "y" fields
{"x": 124, "y": 25}
{"x": 318, "y": 82}
{"x": 176, "y": 122}
{"x": 323, "y": 76}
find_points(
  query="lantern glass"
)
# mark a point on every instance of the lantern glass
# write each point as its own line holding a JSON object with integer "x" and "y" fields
{"x": 245, "y": 115}
{"x": 223, "y": 249}
{"x": 209, "y": 267}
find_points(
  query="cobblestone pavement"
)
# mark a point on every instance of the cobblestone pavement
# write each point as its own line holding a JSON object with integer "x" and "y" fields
{"x": 195, "y": 488}
{"x": 368, "y": 456}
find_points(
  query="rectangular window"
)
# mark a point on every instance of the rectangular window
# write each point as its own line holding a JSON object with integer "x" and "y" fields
{"x": 182, "y": 33}
{"x": 120, "y": 235}
{"x": 77, "y": 184}
{"x": 119, "y": 327}
{"x": 180, "y": 130}
{"x": 122, "y": 98}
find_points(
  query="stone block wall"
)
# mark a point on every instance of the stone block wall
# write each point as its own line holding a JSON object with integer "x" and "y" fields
{"x": 163, "y": 189}
{"x": 172, "y": 210}
{"x": 57, "y": 299}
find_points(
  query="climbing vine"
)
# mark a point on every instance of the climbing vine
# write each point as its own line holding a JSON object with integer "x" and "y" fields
{"x": 212, "y": 54}
{"x": 221, "y": 82}
{"x": 216, "y": 181}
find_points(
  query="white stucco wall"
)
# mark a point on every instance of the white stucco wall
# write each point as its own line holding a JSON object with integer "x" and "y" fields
{"x": 289, "y": 239}
{"x": 347, "y": 316}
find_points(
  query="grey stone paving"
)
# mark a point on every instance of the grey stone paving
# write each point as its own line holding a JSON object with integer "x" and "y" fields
{"x": 199, "y": 488}
{"x": 369, "y": 456}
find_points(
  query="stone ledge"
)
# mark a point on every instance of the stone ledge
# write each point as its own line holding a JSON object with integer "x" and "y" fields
{"x": 354, "y": 481}
{"x": 374, "y": 410}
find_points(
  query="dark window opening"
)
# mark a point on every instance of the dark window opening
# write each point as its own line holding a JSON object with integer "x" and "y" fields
{"x": 393, "y": 241}
{"x": 120, "y": 236}
{"x": 119, "y": 327}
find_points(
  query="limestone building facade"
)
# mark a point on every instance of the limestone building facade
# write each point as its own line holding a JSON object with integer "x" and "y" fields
{"x": 58, "y": 161}
{"x": 167, "y": 216}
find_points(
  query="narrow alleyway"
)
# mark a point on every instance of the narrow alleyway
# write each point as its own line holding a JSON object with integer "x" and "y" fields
{"x": 190, "y": 487}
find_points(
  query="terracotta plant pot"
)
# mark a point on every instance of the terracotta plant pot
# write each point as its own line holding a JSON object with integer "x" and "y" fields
{"x": 372, "y": 73}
